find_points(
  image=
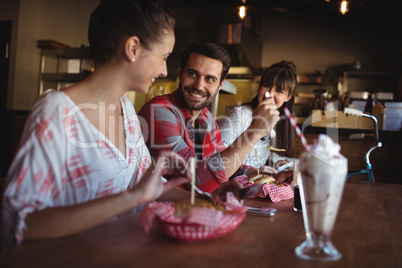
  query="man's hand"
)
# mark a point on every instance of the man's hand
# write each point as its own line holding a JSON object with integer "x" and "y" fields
{"x": 237, "y": 189}
{"x": 263, "y": 170}
{"x": 285, "y": 176}
{"x": 229, "y": 186}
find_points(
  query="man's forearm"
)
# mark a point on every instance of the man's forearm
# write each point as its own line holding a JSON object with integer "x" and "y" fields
{"x": 234, "y": 155}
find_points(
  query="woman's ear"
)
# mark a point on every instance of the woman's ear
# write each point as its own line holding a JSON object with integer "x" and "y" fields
{"x": 288, "y": 98}
{"x": 132, "y": 47}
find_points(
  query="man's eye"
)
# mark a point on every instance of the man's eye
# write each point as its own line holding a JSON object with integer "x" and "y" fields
{"x": 210, "y": 79}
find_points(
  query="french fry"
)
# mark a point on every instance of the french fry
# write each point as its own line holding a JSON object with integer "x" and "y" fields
{"x": 272, "y": 148}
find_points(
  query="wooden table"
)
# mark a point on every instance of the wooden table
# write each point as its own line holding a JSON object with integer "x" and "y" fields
{"x": 368, "y": 233}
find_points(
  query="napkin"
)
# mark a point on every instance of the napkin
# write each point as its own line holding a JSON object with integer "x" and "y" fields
{"x": 275, "y": 192}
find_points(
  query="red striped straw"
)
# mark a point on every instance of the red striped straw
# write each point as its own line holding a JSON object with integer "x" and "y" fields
{"x": 297, "y": 129}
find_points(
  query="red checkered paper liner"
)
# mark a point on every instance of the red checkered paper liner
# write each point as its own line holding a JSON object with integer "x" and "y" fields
{"x": 275, "y": 192}
{"x": 200, "y": 224}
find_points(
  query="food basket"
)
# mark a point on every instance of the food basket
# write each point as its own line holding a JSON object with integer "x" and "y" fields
{"x": 275, "y": 192}
{"x": 199, "y": 225}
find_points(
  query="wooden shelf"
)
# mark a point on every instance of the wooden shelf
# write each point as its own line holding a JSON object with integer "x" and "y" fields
{"x": 314, "y": 80}
{"x": 62, "y": 56}
{"x": 68, "y": 53}
{"x": 367, "y": 74}
{"x": 370, "y": 76}
{"x": 64, "y": 77}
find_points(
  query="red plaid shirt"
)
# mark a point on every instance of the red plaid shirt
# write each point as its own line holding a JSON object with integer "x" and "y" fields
{"x": 167, "y": 124}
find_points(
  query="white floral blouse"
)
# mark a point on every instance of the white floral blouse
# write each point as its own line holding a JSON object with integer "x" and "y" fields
{"x": 65, "y": 160}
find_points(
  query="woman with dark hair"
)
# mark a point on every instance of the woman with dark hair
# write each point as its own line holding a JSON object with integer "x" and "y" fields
{"x": 279, "y": 80}
{"x": 82, "y": 159}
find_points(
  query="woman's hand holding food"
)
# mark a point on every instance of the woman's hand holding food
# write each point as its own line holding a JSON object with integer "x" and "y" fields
{"x": 169, "y": 165}
{"x": 265, "y": 117}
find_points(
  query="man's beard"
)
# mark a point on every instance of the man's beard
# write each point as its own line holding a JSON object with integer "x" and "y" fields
{"x": 195, "y": 106}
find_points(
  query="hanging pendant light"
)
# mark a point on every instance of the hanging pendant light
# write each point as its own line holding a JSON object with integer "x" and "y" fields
{"x": 344, "y": 7}
{"x": 243, "y": 10}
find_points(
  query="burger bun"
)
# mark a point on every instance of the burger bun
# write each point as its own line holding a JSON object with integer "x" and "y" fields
{"x": 183, "y": 207}
{"x": 262, "y": 179}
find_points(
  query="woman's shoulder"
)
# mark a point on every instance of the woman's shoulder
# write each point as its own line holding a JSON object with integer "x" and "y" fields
{"x": 128, "y": 106}
{"x": 240, "y": 111}
{"x": 47, "y": 115}
{"x": 242, "y": 108}
{"x": 237, "y": 119}
{"x": 52, "y": 101}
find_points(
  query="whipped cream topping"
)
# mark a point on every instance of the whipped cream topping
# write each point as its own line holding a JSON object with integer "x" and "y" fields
{"x": 325, "y": 146}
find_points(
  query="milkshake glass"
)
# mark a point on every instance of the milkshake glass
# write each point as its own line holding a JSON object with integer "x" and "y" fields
{"x": 323, "y": 174}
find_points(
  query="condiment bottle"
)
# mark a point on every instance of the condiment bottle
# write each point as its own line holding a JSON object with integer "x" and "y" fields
{"x": 368, "y": 109}
{"x": 377, "y": 109}
{"x": 296, "y": 178}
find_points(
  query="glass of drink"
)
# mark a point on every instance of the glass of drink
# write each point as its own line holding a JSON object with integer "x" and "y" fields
{"x": 322, "y": 181}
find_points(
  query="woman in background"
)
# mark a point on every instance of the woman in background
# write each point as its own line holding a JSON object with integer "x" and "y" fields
{"x": 280, "y": 81}
{"x": 82, "y": 159}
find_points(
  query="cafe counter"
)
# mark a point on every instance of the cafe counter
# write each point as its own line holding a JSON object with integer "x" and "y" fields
{"x": 368, "y": 233}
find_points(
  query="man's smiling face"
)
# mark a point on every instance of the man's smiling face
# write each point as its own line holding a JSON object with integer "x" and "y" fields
{"x": 200, "y": 81}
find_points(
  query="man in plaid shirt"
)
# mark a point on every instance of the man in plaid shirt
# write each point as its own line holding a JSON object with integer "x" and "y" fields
{"x": 182, "y": 122}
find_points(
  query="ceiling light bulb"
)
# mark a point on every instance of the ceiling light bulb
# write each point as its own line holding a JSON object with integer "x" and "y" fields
{"x": 242, "y": 12}
{"x": 344, "y": 7}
